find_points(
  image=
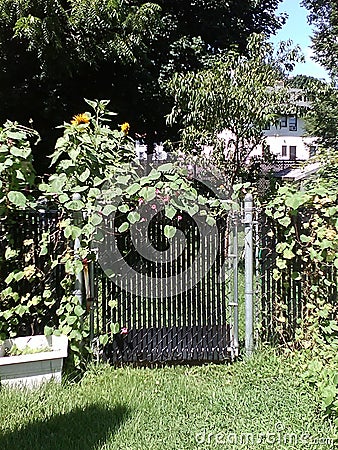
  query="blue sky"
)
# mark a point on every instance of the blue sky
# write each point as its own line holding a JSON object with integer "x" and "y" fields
{"x": 297, "y": 29}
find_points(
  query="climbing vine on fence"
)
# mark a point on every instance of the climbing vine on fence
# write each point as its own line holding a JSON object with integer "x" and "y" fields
{"x": 306, "y": 230}
{"x": 17, "y": 178}
{"x": 96, "y": 178}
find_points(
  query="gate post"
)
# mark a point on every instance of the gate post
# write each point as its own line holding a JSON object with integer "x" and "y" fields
{"x": 248, "y": 249}
{"x": 236, "y": 219}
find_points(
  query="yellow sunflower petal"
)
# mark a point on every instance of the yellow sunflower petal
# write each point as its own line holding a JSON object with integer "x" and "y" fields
{"x": 125, "y": 127}
{"x": 80, "y": 118}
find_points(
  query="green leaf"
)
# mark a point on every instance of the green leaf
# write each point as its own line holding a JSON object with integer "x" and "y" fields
{"x": 84, "y": 175}
{"x": 154, "y": 175}
{"x": 63, "y": 198}
{"x": 202, "y": 200}
{"x": 169, "y": 167}
{"x": 19, "y": 275}
{"x": 115, "y": 328}
{"x": 75, "y": 334}
{"x": 285, "y": 221}
{"x": 104, "y": 339}
{"x": 281, "y": 263}
{"x": 296, "y": 276}
{"x": 192, "y": 210}
{"x": 133, "y": 217}
{"x": 88, "y": 230}
{"x": 79, "y": 189}
{"x": 305, "y": 239}
{"x": 108, "y": 209}
{"x": 73, "y": 266}
{"x": 17, "y": 135}
{"x": 281, "y": 246}
{"x": 296, "y": 200}
{"x": 75, "y": 205}
{"x": 331, "y": 211}
{"x": 9, "y": 253}
{"x": 169, "y": 231}
{"x": 78, "y": 310}
{"x": 210, "y": 221}
{"x": 71, "y": 320}
{"x": 21, "y": 310}
{"x": 112, "y": 303}
{"x": 20, "y": 152}
{"x": 132, "y": 189}
{"x": 48, "y": 331}
{"x": 94, "y": 192}
{"x": 72, "y": 231}
{"x": 97, "y": 181}
{"x": 124, "y": 208}
{"x": 17, "y": 198}
{"x": 328, "y": 394}
{"x": 44, "y": 250}
{"x": 9, "y": 278}
{"x": 124, "y": 227}
{"x": 20, "y": 175}
{"x": 288, "y": 254}
{"x": 57, "y": 185}
{"x": 123, "y": 179}
{"x": 47, "y": 293}
{"x": 92, "y": 103}
{"x": 148, "y": 193}
{"x": 96, "y": 219}
{"x": 170, "y": 211}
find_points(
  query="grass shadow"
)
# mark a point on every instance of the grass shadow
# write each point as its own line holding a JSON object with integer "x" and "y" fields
{"x": 81, "y": 429}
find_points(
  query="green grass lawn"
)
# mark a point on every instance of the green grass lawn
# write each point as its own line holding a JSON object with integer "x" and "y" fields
{"x": 181, "y": 408}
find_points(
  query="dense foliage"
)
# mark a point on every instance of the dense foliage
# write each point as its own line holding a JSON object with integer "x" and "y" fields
{"x": 322, "y": 116}
{"x": 323, "y": 15}
{"x": 17, "y": 178}
{"x": 53, "y": 53}
{"x": 97, "y": 181}
{"x": 223, "y": 108}
{"x": 29, "y": 300}
{"x": 306, "y": 230}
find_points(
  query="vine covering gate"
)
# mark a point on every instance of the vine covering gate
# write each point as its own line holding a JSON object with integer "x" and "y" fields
{"x": 181, "y": 305}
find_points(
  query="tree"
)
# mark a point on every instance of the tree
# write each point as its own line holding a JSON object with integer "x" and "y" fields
{"x": 190, "y": 32}
{"x": 323, "y": 15}
{"x": 222, "y": 107}
{"x": 322, "y": 119}
{"x": 323, "y": 116}
{"x": 54, "y": 53}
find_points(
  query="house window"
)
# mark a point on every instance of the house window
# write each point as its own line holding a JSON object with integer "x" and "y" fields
{"x": 293, "y": 152}
{"x": 283, "y": 122}
{"x": 312, "y": 151}
{"x": 266, "y": 126}
{"x": 293, "y": 123}
{"x": 284, "y": 150}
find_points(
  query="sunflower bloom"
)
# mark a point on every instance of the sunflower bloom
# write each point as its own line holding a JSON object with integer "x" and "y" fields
{"x": 125, "y": 127}
{"x": 80, "y": 118}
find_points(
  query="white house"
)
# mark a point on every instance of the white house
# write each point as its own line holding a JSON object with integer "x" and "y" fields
{"x": 287, "y": 138}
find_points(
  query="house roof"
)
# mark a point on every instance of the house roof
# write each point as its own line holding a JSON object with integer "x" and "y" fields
{"x": 299, "y": 173}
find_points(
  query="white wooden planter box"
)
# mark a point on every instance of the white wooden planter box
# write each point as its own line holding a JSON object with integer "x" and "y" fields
{"x": 33, "y": 369}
